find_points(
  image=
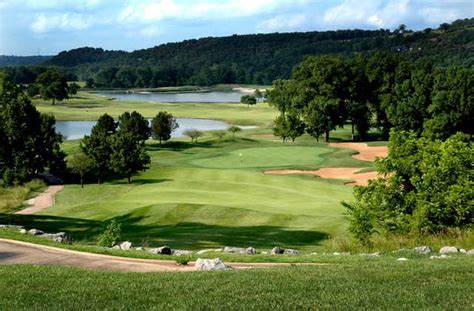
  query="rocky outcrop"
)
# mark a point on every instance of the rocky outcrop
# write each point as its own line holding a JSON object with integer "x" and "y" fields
{"x": 210, "y": 265}
{"x": 164, "y": 250}
{"x": 448, "y": 250}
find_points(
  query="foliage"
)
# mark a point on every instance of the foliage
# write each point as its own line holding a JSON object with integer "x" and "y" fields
{"x": 28, "y": 142}
{"x": 427, "y": 187}
{"x": 234, "y": 130}
{"x": 97, "y": 146}
{"x": 111, "y": 235}
{"x": 80, "y": 164}
{"x": 219, "y": 134}
{"x": 73, "y": 88}
{"x": 288, "y": 126}
{"x": 53, "y": 85}
{"x": 134, "y": 124}
{"x": 163, "y": 125}
{"x": 193, "y": 134}
{"x": 248, "y": 100}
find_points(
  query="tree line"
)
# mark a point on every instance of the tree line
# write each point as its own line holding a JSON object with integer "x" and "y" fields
{"x": 385, "y": 90}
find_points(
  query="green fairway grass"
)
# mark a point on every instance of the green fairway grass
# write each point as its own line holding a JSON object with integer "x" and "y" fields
{"x": 88, "y": 106}
{"x": 359, "y": 284}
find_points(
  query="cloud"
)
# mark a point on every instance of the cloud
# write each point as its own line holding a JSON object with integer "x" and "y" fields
{"x": 391, "y": 13}
{"x": 283, "y": 23}
{"x": 151, "y": 31}
{"x": 66, "y": 21}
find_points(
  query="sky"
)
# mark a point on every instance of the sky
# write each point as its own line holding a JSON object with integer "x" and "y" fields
{"x": 46, "y": 27}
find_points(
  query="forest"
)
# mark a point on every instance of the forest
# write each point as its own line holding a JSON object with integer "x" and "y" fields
{"x": 250, "y": 59}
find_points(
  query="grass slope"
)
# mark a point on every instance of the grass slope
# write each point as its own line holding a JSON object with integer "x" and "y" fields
{"x": 365, "y": 284}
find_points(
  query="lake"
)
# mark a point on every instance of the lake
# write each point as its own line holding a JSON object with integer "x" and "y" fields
{"x": 186, "y": 97}
{"x": 78, "y": 129}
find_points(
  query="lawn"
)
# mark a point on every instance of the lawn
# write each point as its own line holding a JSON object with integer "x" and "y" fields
{"x": 87, "y": 106}
{"x": 359, "y": 284}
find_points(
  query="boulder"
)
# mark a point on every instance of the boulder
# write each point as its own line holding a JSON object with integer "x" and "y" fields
{"x": 277, "y": 251}
{"x": 11, "y": 227}
{"x": 139, "y": 249}
{"x": 60, "y": 237}
{"x": 180, "y": 252}
{"x": 448, "y": 250}
{"x": 463, "y": 251}
{"x": 35, "y": 232}
{"x": 164, "y": 250}
{"x": 290, "y": 251}
{"x": 234, "y": 250}
{"x": 402, "y": 259}
{"x": 116, "y": 247}
{"x": 470, "y": 252}
{"x": 125, "y": 245}
{"x": 210, "y": 265}
{"x": 423, "y": 250}
{"x": 250, "y": 251}
{"x": 23, "y": 231}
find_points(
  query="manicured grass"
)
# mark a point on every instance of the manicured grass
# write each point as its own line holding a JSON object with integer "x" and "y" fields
{"x": 87, "y": 106}
{"x": 363, "y": 284}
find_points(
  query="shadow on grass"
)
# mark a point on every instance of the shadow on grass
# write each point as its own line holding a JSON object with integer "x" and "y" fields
{"x": 141, "y": 181}
{"x": 178, "y": 145}
{"x": 189, "y": 235}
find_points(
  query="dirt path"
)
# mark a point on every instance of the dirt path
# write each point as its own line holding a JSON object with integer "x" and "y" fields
{"x": 366, "y": 153}
{"x": 17, "y": 252}
{"x": 349, "y": 173}
{"x": 42, "y": 201}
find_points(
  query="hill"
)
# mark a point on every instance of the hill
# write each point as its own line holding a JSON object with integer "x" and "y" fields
{"x": 11, "y": 60}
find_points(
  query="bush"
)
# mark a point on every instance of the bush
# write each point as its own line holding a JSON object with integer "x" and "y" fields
{"x": 193, "y": 134}
{"x": 428, "y": 188}
{"x": 111, "y": 235}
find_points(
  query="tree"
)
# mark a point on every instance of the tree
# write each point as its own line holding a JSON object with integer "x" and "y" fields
{"x": 163, "y": 125}
{"x": 452, "y": 107}
{"x": 135, "y": 124}
{"x": 193, "y": 134}
{"x": 90, "y": 83}
{"x": 73, "y": 88}
{"x": 29, "y": 144}
{"x": 322, "y": 116}
{"x": 283, "y": 95}
{"x": 288, "y": 126}
{"x": 427, "y": 187}
{"x": 128, "y": 156}
{"x": 80, "y": 164}
{"x": 248, "y": 100}
{"x": 219, "y": 134}
{"x": 259, "y": 95}
{"x": 53, "y": 85}
{"x": 97, "y": 146}
{"x": 234, "y": 129}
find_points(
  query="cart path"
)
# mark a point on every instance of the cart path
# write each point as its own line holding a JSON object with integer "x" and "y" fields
{"x": 17, "y": 252}
{"x": 42, "y": 201}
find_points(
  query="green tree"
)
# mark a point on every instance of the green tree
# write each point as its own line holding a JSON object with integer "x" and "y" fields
{"x": 128, "y": 156}
{"x": 288, "y": 126}
{"x": 53, "y": 85}
{"x": 322, "y": 116}
{"x": 427, "y": 187}
{"x": 282, "y": 95}
{"x": 135, "y": 124}
{"x": 193, "y": 134}
{"x": 97, "y": 146}
{"x": 28, "y": 142}
{"x": 234, "y": 130}
{"x": 452, "y": 107}
{"x": 248, "y": 100}
{"x": 73, "y": 88}
{"x": 80, "y": 164}
{"x": 163, "y": 125}
{"x": 219, "y": 134}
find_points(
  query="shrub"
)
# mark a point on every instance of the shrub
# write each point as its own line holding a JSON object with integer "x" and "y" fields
{"x": 111, "y": 235}
{"x": 234, "y": 129}
{"x": 193, "y": 134}
{"x": 428, "y": 188}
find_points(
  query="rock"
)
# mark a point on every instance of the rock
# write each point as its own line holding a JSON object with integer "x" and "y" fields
{"x": 234, "y": 250}
{"x": 203, "y": 251}
{"x": 164, "y": 250}
{"x": 35, "y": 232}
{"x": 139, "y": 249}
{"x": 11, "y": 227}
{"x": 423, "y": 249}
{"x": 463, "y": 251}
{"x": 470, "y": 252}
{"x": 210, "y": 265}
{"x": 125, "y": 245}
{"x": 402, "y": 259}
{"x": 180, "y": 252}
{"x": 443, "y": 256}
{"x": 60, "y": 237}
{"x": 290, "y": 251}
{"x": 116, "y": 247}
{"x": 277, "y": 251}
{"x": 376, "y": 254}
{"x": 23, "y": 231}
{"x": 250, "y": 251}
{"x": 448, "y": 250}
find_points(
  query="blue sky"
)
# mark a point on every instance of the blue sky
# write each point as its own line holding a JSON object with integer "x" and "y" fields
{"x": 49, "y": 26}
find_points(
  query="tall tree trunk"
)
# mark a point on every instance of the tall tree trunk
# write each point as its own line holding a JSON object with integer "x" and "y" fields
{"x": 129, "y": 179}
{"x": 82, "y": 181}
{"x": 326, "y": 136}
{"x": 353, "y": 136}
{"x": 54, "y": 101}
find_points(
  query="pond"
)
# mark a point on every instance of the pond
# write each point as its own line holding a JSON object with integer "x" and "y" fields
{"x": 78, "y": 129}
{"x": 186, "y": 97}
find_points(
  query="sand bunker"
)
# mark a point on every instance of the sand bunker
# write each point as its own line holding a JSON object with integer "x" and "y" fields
{"x": 366, "y": 153}
{"x": 348, "y": 173}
